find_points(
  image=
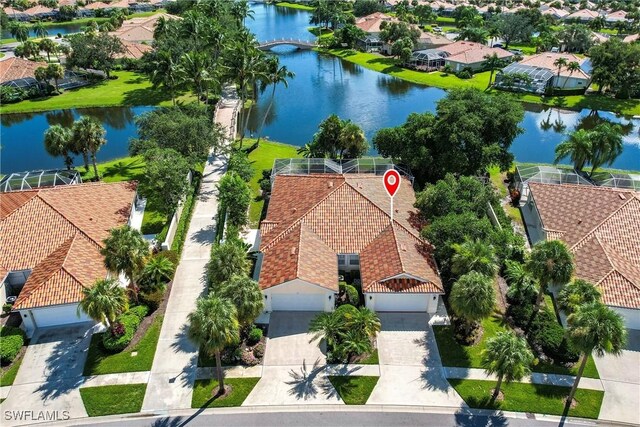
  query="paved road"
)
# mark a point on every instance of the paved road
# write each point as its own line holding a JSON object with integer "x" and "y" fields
{"x": 341, "y": 418}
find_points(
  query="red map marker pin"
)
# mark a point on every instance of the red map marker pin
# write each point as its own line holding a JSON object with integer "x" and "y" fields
{"x": 391, "y": 179}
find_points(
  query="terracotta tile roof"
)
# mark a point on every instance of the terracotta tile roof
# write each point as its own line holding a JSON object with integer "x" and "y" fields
{"x": 558, "y": 13}
{"x": 96, "y": 5}
{"x": 326, "y": 215}
{"x": 631, "y": 38}
{"x": 461, "y": 46}
{"x": 584, "y": 14}
{"x": 433, "y": 39}
{"x": 601, "y": 226}
{"x": 140, "y": 29}
{"x": 57, "y": 232}
{"x": 38, "y": 9}
{"x": 15, "y": 68}
{"x": 474, "y": 56}
{"x": 134, "y": 50}
{"x": 371, "y": 23}
{"x": 546, "y": 60}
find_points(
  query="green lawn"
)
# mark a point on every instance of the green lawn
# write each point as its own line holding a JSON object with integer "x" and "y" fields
{"x": 100, "y": 362}
{"x": 262, "y": 158}
{"x": 480, "y": 81}
{"x": 522, "y": 397}
{"x": 354, "y": 390}
{"x": 113, "y": 399}
{"x": 371, "y": 360}
{"x": 128, "y": 89}
{"x": 454, "y": 354}
{"x": 7, "y": 377}
{"x": 294, "y": 5}
{"x": 240, "y": 389}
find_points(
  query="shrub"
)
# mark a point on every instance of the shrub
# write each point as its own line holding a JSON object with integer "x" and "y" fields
{"x": 170, "y": 255}
{"x": 152, "y": 300}
{"x": 249, "y": 359}
{"x": 258, "y": 350}
{"x": 352, "y": 295}
{"x": 6, "y": 308}
{"x": 255, "y": 335}
{"x": 130, "y": 321}
{"x": 240, "y": 164}
{"x": 139, "y": 310}
{"x": 231, "y": 356}
{"x": 464, "y": 74}
{"x": 11, "y": 341}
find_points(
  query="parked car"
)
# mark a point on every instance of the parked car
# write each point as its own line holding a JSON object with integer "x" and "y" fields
{"x": 437, "y": 29}
{"x": 498, "y": 45}
{"x": 516, "y": 51}
{"x": 555, "y": 49}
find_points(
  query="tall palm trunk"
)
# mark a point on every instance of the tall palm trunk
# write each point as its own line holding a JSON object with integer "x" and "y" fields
{"x": 68, "y": 160}
{"x": 132, "y": 286}
{"x": 95, "y": 166}
{"x": 85, "y": 158}
{"x": 264, "y": 119}
{"x": 496, "y": 391}
{"x": 574, "y": 388}
{"x": 220, "y": 374}
{"x": 490, "y": 78}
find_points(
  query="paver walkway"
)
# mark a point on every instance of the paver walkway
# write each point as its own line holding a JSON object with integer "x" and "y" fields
{"x": 174, "y": 366}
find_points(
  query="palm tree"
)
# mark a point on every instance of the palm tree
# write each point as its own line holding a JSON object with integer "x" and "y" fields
{"x": 166, "y": 72}
{"x": 227, "y": 259}
{"x": 606, "y": 145}
{"x": 104, "y": 301}
{"x": 352, "y": 142}
{"x": 572, "y": 67}
{"x": 577, "y": 147}
{"x": 492, "y": 62}
{"x": 560, "y": 62}
{"x": 472, "y": 298}
{"x": 19, "y": 31}
{"x": 577, "y": 293}
{"x": 245, "y": 295}
{"x": 40, "y": 75}
{"x": 550, "y": 263}
{"x": 325, "y": 326}
{"x": 125, "y": 251}
{"x": 40, "y": 30}
{"x": 366, "y": 321}
{"x": 58, "y": 141}
{"x": 88, "y": 136}
{"x": 595, "y": 328}
{"x": 508, "y": 357}
{"x": 474, "y": 255}
{"x": 194, "y": 67}
{"x": 352, "y": 342}
{"x": 155, "y": 273}
{"x": 275, "y": 74}
{"x": 521, "y": 285}
{"x": 240, "y": 10}
{"x": 56, "y": 72}
{"x": 48, "y": 46}
{"x": 213, "y": 326}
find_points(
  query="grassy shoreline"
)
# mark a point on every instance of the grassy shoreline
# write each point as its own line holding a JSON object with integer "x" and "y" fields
{"x": 294, "y": 5}
{"x": 386, "y": 65}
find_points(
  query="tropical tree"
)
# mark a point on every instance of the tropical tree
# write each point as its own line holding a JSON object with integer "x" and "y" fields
{"x": 19, "y": 31}
{"x": 577, "y": 147}
{"x": 48, "y": 46}
{"x": 606, "y": 145}
{"x": 366, "y": 321}
{"x": 88, "y": 137}
{"x": 40, "y": 30}
{"x": 325, "y": 326}
{"x": 508, "y": 357}
{"x": 352, "y": 142}
{"x": 213, "y": 326}
{"x": 472, "y": 298}
{"x": 474, "y": 255}
{"x": 492, "y": 62}
{"x": 595, "y": 328}
{"x": 125, "y": 250}
{"x": 227, "y": 260}
{"x": 104, "y": 301}
{"x": 550, "y": 263}
{"x": 58, "y": 141}
{"x": 195, "y": 69}
{"x": 40, "y": 74}
{"x": 274, "y": 75}
{"x": 577, "y": 293}
{"x": 156, "y": 272}
{"x": 522, "y": 286}
{"x": 246, "y": 297}
{"x": 56, "y": 72}
{"x": 164, "y": 71}
{"x": 572, "y": 67}
{"x": 560, "y": 63}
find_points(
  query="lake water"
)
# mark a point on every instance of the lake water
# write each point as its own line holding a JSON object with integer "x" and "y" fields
{"x": 323, "y": 85}
{"x": 54, "y": 30}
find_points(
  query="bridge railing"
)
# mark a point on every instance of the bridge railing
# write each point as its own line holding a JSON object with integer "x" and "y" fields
{"x": 284, "y": 41}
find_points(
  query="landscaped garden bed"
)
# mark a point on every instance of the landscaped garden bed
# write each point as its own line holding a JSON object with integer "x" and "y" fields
{"x": 354, "y": 390}
{"x": 12, "y": 349}
{"x": 249, "y": 352}
{"x": 239, "y": 389}
{"x": 113, "y": 399}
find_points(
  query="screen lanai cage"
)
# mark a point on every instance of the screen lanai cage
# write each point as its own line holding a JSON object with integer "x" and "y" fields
{"x": 377, "y": 166}
{"x": 18, "y": 181}
{"x": 526, "y": 173}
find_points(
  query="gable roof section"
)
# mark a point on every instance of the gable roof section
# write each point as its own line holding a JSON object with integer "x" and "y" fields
{"x": 57, "y": 233}
{"x": 17, "y": 68}
{"x": 601, "y": 226}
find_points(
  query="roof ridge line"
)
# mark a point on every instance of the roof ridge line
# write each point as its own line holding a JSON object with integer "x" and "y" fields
{"x": 598, "y": 225}
{"x": 398, "y": 249}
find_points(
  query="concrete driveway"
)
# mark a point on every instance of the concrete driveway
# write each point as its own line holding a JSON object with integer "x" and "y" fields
{"x": 410, "y": 367}
{"x": 288, "y": 343}
{"x": 294, "y": 369}
{"x": 51, "y": 373}
{"x": 621, "y": 381}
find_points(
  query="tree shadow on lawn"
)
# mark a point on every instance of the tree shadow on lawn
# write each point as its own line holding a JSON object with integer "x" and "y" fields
{"x": 133, "y": 170}
{"x": 145, "y": 96}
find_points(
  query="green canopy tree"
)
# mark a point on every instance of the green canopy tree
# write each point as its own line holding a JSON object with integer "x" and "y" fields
{"x": 125, "y": 250}
{"x": 104, "y": 301}
{"x": 165, "y": 179}
{"x": 19, "y": 31}
{"x": 594, "y": 328}
{"x": 472, "y": 298}
{"x": 40, "y": 30}
{"x": 235, "y": 195}
{"x": 58, "y": 141}
{"x": 606, "y": 145}
{"x": 508, "y": 357}
{"x": 246, "y": 297}
{"x": 492, "y": 63}
{"x": 213, "y": 325}
{"x": 550, "y": 263}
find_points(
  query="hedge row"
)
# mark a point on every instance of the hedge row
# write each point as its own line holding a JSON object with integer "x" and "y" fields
{"x": 120, "y": 335}
{"x": 11, "y": 341}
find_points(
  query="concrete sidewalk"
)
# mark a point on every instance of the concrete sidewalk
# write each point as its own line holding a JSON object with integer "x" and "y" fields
{"x": 534, "y": 378}
{"x": 174, "y": 367}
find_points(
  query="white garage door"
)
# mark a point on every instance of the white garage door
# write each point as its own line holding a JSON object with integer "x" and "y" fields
{"x": 59, "y": 315}
{"x": 297, "y": 302}
{"x": 406, "y": 302}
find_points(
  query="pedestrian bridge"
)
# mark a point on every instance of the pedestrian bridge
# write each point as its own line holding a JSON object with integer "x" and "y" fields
{"x": 300, "y": 44}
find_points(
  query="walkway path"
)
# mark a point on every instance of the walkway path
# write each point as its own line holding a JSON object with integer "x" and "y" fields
{"x": 174, "y": 367}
